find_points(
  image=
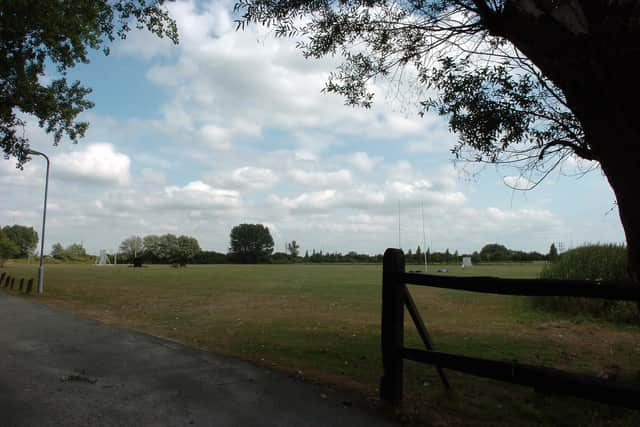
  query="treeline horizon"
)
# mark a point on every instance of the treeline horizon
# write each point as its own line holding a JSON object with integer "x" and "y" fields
{"x": 253, "y": 244}
{"x": 489, "y": 253}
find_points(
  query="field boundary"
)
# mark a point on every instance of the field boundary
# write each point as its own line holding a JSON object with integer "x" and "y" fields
{"x": 396, "y": 297}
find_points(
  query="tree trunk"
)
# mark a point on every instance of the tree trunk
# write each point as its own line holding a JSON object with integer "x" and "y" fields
{"x": 622, "y": 169}
{"x": 589, "y": 50}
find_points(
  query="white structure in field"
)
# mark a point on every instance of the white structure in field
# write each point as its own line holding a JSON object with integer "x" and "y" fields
{"x": 466, "y": 261}
{"x": 103, "y": 259}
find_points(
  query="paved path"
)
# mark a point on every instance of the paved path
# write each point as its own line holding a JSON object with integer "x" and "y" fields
{"x": 58, "y": 369}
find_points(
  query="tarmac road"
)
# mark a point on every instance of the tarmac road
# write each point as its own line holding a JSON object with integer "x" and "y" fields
{"x": 59, "y": 369}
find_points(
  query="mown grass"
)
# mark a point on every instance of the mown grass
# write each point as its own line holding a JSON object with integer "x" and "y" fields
{"x": 321, "y": 322}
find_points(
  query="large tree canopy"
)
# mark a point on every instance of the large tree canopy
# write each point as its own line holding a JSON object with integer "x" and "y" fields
{"x": 170, "y": 249}
{"x": 523, "y": 82}
{"x": 250, "y": 243}
{"x": 40, "y": 41}
{"x": 25, "y": 238}
{"x": 8, "y": 249}
{"x": 132, "y": 246}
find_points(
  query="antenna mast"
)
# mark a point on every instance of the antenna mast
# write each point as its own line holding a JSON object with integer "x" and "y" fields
{"x": 399, "y": 239}
{"x": 424, "y": 238}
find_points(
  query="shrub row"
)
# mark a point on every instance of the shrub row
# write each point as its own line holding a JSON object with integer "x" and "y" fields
{"x": 590, "y": 262}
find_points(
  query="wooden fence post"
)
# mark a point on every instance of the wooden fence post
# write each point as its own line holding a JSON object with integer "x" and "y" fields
{"x": 29, "y": 285}
{"x": 21, "y": 284}
{"x": 2, "y": 277}
{"x": 392, "y": 327}
{"x": 13, "y": 282}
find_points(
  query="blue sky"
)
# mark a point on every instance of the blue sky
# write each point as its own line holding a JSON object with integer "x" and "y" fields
{"x": 231, "y": 127}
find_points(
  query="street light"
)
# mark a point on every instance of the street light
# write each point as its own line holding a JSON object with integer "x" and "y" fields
{"x": 44, "y": 218}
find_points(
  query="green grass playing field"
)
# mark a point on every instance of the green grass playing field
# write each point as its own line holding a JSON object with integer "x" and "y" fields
{"x": 321, "y": 322}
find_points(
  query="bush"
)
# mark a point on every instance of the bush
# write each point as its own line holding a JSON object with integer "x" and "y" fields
{"x": 592, "y": 262}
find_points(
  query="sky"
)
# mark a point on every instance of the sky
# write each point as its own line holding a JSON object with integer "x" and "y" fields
{"x": 232, "y": 127}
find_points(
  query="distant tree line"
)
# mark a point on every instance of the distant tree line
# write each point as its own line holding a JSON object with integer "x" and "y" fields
{"x": 73, "y": 252}
{"x": 248, "y": 243}
{"x": 495, "y": 252}
{"x": 164, "y": 249}
{"x": 253, "y": 243}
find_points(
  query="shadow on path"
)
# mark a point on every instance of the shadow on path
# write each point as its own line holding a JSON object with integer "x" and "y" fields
{"x": 58, "y": 369}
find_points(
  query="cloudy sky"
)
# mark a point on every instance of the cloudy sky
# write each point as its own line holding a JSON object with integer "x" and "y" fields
{"x": 231, "y": 127}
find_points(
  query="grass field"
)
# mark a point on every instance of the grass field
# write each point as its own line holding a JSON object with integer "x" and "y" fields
{"x": 321, "y": 322}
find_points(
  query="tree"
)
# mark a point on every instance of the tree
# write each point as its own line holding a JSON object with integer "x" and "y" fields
{"x": 73, "y": 251}
{"x": 57, "y": 251}
{"x": 25, "y": 238}
{"x": 8, "y": 248}
{"x": 187, "y": 249}
{"x": 151, "y": 245}
{"x": 35, "y": 35}
{"x": 553, "y": 253}
{"x": 522, "y": 82}
{"x": 250, "y": 243}
{"x": 210, "y": 257}
{"x": 494, "y": 252}
{"x": 294, "y": 249}
{"x": 170, "y": 249}
{"x": 132, "y": 246}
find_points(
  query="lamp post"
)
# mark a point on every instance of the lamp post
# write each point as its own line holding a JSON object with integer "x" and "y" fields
{"x": 44, "y": 218}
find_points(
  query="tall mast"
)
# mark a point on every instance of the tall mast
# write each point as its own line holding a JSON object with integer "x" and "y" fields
{"x": 424, "y": 238}
{"x": 399, "y": 235}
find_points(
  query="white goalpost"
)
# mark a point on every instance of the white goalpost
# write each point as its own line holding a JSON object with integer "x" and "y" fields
{"x": 104, "y": 258}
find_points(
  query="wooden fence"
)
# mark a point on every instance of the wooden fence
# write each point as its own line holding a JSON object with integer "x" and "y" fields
{"x": 396, "y": 296}
{"x": 6, "y": 281}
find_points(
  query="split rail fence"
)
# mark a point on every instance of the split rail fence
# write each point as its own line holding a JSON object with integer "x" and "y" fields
{"x": 396, "y": 296}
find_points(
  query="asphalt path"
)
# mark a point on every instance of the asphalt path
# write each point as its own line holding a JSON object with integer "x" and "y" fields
{"x": 60, "y": 369}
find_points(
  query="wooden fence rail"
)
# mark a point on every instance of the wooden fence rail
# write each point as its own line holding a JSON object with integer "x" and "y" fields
{"x": 6, "y": 281}
{"x": 396, "y": 296}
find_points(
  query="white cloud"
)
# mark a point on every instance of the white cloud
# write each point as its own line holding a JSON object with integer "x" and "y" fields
{"x": 96, "y": 162}
{"x": 361, "y": 161}
{"x": 308, "y": 202}
{"x": 244, "y": 178}
{"x": 144, "y": 44}
{"x": 252, "y": 178}
{"x": 31, "y": 175}
{"x": 321, "y": 179}
{"x": 215, "y": 137}
{"x": 364, "y": 198}
{"x": 518, "y": 182}
{"x": 574, "y": 165}
{"x": 222, "y": 75}
{"x": 400, "y": 170}
{"x": 198, "y": 195}
{"x": 305, "y": 155}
